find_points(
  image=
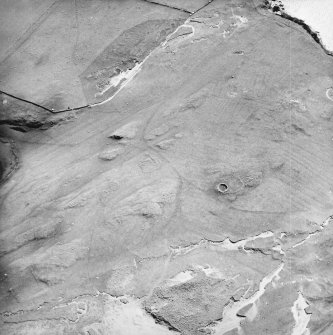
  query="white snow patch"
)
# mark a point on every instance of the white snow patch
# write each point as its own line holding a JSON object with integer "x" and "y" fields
{"x": 279, "y": 249}
{"x": 181, "y": 278}
{"x": 230, "y": 320}
{"x": 301, "y": 317}
{"x": 317, "y": 14}
{"x": 329, "y": 92}
{"x": 321, "y": 228}
{"x": 120, "y": 78}
{"x": 210, "y": 271}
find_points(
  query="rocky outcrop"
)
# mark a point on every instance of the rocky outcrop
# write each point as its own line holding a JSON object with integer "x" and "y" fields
{"x": 20, "y": 113}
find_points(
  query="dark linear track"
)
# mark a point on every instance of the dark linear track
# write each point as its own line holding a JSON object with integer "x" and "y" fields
{"x": 94, "y": 104}
{"x": 168, "y": 6}
{"x": 179, "y": 8}
{"x": 27, "y": 101}
{"x": 43, "y": 107}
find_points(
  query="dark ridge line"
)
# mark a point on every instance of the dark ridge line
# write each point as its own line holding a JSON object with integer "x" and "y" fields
{"x": 315, "y": 35}
{"x": 161, "y": 320}
{"x": 184, "y": 34}
{"x": 16, "y": 161}
{"x": 165, "y": 5}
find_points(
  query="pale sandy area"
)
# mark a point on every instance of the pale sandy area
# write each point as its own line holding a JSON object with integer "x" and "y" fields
{"x": 318, "y": 14}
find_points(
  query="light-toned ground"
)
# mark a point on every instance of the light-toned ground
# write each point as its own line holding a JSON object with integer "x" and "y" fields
{"x": 113, "y": 222}
{"x": 48, "y": 48}
{"x": 317, "y": 14}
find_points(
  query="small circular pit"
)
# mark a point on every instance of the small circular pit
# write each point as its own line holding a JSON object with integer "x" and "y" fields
{"x": 222, "y": 188}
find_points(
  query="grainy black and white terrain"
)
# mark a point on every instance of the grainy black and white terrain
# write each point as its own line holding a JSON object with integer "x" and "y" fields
{"x": 166, "y": 168}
